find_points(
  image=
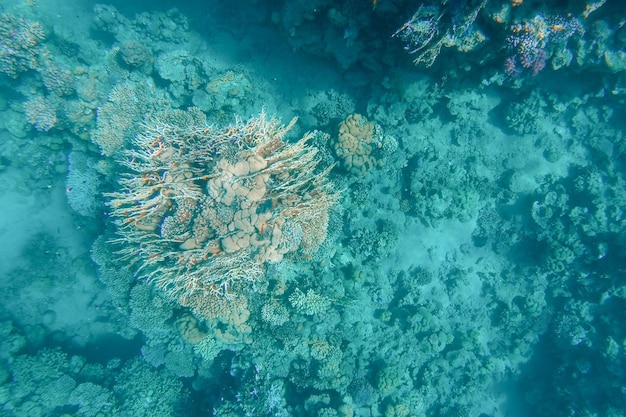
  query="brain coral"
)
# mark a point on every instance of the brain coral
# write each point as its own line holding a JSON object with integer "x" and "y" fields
{"x": 354, "y": 144}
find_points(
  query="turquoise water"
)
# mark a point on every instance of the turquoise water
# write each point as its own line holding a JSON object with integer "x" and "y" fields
{"x": 441, "y": 232}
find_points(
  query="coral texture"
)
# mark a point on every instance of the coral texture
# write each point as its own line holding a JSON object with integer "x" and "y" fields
{"x": 354, "y": 144}
{"x": 20, "y": 48}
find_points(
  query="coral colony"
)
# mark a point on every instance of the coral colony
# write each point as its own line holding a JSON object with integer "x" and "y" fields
{"x": 534, "y": 41}
{"x": 203, "y": 209}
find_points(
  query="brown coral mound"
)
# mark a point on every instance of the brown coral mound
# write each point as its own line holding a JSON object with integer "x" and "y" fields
{"x": 355, "y": 144}
{"x": 203, "y": 209}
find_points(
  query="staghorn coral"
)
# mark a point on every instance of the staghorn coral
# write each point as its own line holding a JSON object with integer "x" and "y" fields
{"x": 354, "y": 144}
{"x": 207, "y": 208}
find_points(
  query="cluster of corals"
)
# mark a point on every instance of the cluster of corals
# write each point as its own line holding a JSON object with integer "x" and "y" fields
{"x": 206, "y": 208}
{"x": 20, "y": 45}
{"x": 355, "y": 144}
{"x": 533, "y": 41}
{"x": 433, "y": 27}
{"x": 420, "y": 32}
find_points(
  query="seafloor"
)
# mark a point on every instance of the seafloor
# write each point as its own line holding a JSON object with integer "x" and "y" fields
{"x": 448, "y": 240}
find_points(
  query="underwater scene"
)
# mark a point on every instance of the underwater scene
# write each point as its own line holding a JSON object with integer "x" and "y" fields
{"x": 313, "y": 208}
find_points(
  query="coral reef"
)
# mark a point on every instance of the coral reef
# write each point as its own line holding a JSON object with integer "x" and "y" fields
{"x": 209, "y": 207}
{"x": 479, "y": 242}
